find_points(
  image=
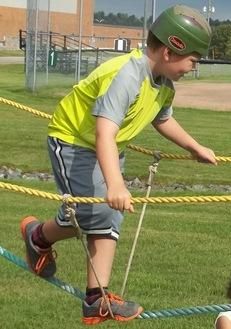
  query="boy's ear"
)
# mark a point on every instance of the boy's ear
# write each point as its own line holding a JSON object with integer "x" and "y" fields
{"x": 167, "y": 52}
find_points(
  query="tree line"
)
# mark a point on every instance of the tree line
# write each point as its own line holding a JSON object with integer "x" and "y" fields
{"x": 220, "y": 47}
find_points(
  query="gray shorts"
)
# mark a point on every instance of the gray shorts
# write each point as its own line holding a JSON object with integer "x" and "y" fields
{"x": 77, "y": 172}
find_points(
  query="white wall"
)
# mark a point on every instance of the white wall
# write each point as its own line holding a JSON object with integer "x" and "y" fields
{"x": 63, "y": 6}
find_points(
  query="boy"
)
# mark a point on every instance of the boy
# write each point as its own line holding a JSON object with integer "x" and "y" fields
{"x": 88, "y": 134}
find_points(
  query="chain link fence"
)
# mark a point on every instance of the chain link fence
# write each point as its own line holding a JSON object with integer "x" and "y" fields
{"x": 55, "y": 59}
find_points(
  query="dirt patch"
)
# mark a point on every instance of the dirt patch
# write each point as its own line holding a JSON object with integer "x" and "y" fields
{"x": 203, "y": 95}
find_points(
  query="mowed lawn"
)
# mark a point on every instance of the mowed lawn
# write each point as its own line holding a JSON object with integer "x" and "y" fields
{"x": 182, "y": 257}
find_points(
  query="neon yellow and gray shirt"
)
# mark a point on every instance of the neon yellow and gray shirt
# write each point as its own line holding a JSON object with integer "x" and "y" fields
{"x": 122, "y": 90}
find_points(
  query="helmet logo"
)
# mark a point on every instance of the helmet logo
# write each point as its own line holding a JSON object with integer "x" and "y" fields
{"x": 176, "y": 42}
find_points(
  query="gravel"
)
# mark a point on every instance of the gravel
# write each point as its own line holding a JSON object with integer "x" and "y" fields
{"x": 133, "y": 183}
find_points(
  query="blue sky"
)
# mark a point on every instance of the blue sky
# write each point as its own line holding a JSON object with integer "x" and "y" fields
{"x": 222, "y": 7}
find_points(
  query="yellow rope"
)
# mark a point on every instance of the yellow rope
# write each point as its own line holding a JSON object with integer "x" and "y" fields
{"x": 172, "y": 156}
{"x": 57, "y": 197}
{"x": 25, "y": 108}
{"x": 131, "y": 146}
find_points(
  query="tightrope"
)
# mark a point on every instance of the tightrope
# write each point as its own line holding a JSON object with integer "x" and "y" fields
{"x": 196, "y": 310}
{"x": 154, "y": 200}
{"x": 162, "y": 155}
{"x": 55, "y": 281}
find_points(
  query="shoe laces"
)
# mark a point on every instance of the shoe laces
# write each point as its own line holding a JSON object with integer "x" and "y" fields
{"x": 45, "y": 258}
{"x": 103, "y": 309}
{"x": 115, "y": 298}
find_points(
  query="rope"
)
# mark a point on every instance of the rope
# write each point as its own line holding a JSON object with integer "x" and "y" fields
{"x": 25, "y": 108}
{"x": 76, "y": 292}
{"x": 172, "y": 156}
{"x": 131, "y": 146}
{"x": 70, "y": 213}
{"x": 152, "y": 172}
{"x": 154, "y": 200}
{"x": 55, "y": 281}
{"x": 196, "y": 310}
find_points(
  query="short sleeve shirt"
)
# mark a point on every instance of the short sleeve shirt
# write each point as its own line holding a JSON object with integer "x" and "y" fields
{"x": 122, "y": 90}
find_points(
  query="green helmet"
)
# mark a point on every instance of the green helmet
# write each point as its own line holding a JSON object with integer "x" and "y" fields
{"x": 183, "y": 29}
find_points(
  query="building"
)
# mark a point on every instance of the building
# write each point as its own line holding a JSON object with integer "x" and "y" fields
{"x": 64, "y": 19}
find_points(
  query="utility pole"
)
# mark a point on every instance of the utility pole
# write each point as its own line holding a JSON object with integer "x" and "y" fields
{"x": 78, "y": 58}
{"x": 153, "y": 10}
{"x": 145, "y": 25}
{"x": 209, "y": 9}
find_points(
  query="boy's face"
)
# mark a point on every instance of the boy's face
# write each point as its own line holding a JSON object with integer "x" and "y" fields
{"x": 175, "y": 66}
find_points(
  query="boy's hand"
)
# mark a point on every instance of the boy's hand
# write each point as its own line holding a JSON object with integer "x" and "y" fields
{"x": 119, "y": 198}
{"x": 204, "y": 155}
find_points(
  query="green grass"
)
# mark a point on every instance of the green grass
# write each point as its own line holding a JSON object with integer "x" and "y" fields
{"x": 209, "y": 128}
{"x": 22, "y": 130}
{"x": 12, "y": 85}
{"x": 211, "y": 72}
{"x": 182, "y": 257}
{"x": 181, "y": 260}
{"x": 218, "y": 78}
{"x": 8, "y": 53}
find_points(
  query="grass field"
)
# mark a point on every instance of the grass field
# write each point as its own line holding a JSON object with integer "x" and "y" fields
{"x": 7, "y": 53}
{"x": 182, "y": 258}
{"x": 217, "y": 72}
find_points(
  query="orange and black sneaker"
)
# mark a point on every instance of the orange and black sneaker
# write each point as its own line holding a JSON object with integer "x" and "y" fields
{"x": 40, "y": 261}
{"x": 121, "y": 310}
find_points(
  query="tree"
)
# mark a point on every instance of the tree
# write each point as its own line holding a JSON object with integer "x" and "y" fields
{"x": 216, "y": 22}
{"x": 228, "y": 49}
{"x": 117, "y": 19}
{"x": 220, "y": 42}
{"x": 99, "y": 17}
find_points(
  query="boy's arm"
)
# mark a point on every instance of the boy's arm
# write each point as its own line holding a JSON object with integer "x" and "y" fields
{"x": 107, "y": 153}
{"x": 173, "y": 131}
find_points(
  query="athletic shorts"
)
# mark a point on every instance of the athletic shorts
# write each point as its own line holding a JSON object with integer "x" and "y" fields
{"x": 77, "y": 172}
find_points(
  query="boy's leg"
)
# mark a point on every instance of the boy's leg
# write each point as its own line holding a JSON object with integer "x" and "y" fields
{"x": 95, "y": 308}
{"x": 39, "y": 253}
{"x": 102, "y": 251}
{"x": 54, "y": 232}
{"x": 39, "y": 238}
{"x": 77, "y": 172}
